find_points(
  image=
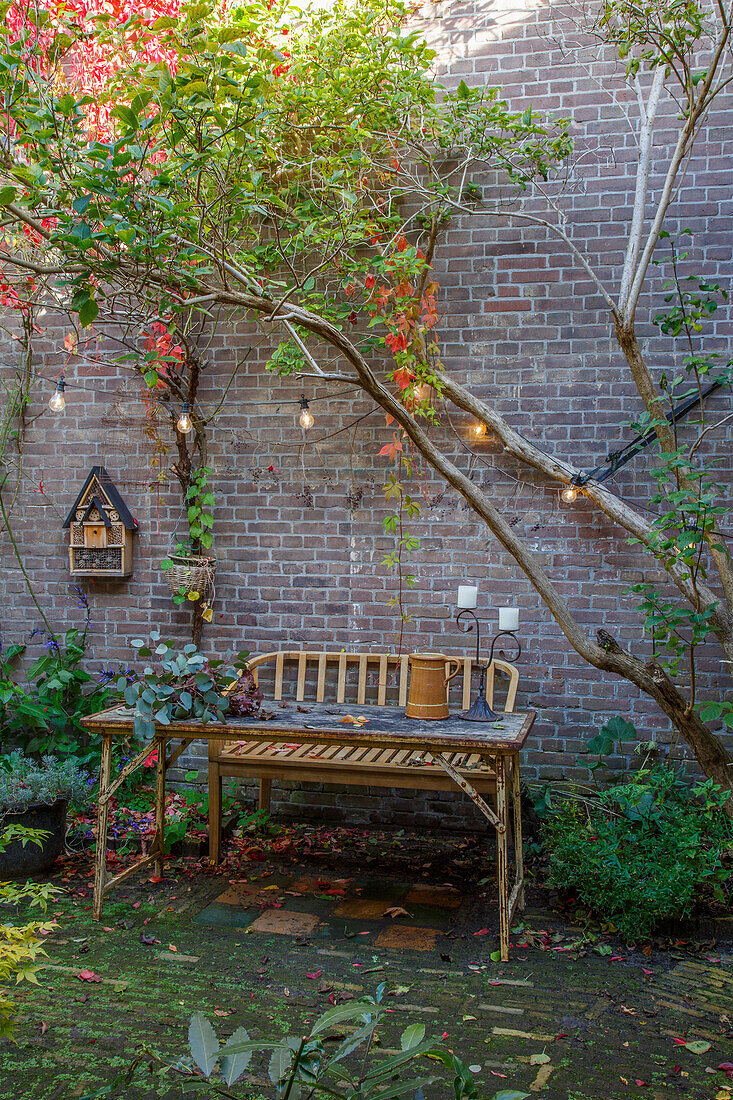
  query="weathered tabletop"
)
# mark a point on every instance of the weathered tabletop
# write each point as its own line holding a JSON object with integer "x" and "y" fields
{"x": 324, "y": 723}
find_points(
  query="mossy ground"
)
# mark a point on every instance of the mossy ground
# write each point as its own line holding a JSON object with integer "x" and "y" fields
{"x": 165, "y": 950}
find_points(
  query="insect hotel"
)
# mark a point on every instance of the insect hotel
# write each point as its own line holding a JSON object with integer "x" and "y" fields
{"x": 100, "y": 529}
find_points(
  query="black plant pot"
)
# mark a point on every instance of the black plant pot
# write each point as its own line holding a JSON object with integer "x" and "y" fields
{"x": 19, "y": 861}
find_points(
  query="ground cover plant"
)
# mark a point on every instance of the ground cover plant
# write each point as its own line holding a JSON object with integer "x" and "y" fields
{"x": 326, "y": 234}
{"x": 20, "y": 943}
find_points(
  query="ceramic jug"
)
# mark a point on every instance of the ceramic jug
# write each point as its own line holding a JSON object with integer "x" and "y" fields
{"x": 428, "y": 698}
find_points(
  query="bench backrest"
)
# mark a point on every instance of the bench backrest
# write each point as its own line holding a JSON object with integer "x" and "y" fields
{"x": 377, "y": 679}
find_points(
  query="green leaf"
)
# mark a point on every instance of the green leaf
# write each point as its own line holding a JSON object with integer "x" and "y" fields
{"x": 412, "y": 1036}
{"x": 344, "y": 1012}
{"x": 463, "y": 91}
{"x": 126, "y": 115}
{"x": 203, "y": 1043}
{"x": 234, "y": 1065}
{"x": 88, "y": 313}
{"x": 280, "y": 1063}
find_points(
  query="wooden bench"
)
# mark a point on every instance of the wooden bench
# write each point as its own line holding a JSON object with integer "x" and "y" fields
{"x": 354, "y": 679}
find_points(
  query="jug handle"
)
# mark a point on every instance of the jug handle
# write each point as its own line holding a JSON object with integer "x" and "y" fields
{"x": 452, "y": 674}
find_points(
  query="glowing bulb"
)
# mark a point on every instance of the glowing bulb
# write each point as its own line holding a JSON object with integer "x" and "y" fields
{"x": 479, "y": 429}
{"x": 569, "y": 494}
{"x": 57, "y": 403}
{"x": 306, "y": 416}
{"x": 184, "y": 424}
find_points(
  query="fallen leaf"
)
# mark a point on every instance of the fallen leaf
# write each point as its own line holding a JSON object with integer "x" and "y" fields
{"x": 221, "y": 1012}
{"x": 539, "y": 1059}
{"x": 172, "y": 947}
{"x": 396, "y": 911}
{"x": 88, "y": 976}
{"x": 698, "y": 1046}
{"x": 315, "y": 974}
{"x": 44, "y": 1027}
{"x": 483, "y": 932}
{"x": 349, "y": 719}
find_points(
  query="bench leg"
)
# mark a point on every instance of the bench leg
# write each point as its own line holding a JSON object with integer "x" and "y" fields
{"x": 214, "y": 812}
{"x": 265, "y": 792}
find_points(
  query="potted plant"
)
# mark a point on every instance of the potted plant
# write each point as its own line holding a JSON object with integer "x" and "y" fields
{"x": 188, "y": 570}
{"x": 35, "y": 796}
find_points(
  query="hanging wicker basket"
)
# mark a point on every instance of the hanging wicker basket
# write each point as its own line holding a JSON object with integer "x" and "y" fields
{"x": 190, "y": 573}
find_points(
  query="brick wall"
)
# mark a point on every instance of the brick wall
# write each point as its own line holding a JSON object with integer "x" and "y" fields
{"x": 298, "y": 519}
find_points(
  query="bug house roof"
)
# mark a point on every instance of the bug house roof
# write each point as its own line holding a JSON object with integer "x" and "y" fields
{"x": 98, "y": 491}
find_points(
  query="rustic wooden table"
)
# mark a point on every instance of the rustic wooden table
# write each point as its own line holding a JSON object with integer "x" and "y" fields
{"x": 387, "y": 727}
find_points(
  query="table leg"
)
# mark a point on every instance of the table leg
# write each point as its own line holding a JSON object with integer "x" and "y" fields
{"x": 214, "y": 804}
{"x": 160, "y": 806}
{"x": 502, "y": 856}
{"x": 518, "y": 844}
{"x": 100, "y": 859}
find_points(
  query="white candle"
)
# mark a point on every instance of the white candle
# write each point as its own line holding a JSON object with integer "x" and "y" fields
{"x": 467, "y": 595}
{"x": 508, "y": 618}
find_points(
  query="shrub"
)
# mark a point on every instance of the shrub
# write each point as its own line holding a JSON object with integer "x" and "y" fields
{"x": 24, "y": 782}
{"x": 640, "y": 851}
{"x": 46, "y": 715}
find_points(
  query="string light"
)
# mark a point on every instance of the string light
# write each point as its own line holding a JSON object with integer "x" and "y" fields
{"x": 478, "y": 430}
{"x": 184, "y": 424}
{"x": 57, "y": 403}
{"x": 306, "y": 416}
{"x": 569, "y": 494}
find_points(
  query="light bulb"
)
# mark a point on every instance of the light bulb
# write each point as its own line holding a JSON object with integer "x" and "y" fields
{"x": 57, "y": 403}
{"x": 479, "y": 429}
{"x": 184, "y": 424}
{"x": 569, "y": 494}
{"x": 306, "y": 416}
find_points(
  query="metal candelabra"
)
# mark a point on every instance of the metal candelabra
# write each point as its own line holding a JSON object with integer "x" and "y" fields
{"x": 480, "y": 711}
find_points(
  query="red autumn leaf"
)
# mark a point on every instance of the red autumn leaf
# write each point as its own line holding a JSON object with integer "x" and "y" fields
{"x": 392, "y": 449}
{"x": 314, "y": 975}
{"x": 483, "y": 932}
{"x": 640, "y": 1083}
{"x": 336, "y": 892}
{"x": 88, "y": 976}
{"x": 155, "y": 878}
{"x": 369, "y": 282}
{"x": 403, "y": 378}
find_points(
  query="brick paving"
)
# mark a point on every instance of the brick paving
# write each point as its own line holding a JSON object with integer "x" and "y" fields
{"x": 275, "y": 947}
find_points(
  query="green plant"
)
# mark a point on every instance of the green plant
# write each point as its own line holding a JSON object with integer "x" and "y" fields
{"x": 305, "y": 1066}
{"x": 642, "y": 850}
{"x": 20, "y": 945}
{"x": 181, "y": 685}
{"x": 199, "y": 501}
{"x": 24, "y": 782}
{"x": 46, "y": 715}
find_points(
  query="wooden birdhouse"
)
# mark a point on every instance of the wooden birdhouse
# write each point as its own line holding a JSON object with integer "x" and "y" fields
{"x": 100, "y": 529}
